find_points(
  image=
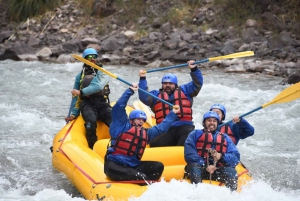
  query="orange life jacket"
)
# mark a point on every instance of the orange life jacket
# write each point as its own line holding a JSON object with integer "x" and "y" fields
{"x": 226, "y": 129}
{"x": 132, "y": 142}
{"x": 206, "y": 141}
{"x": 161, "y": 110}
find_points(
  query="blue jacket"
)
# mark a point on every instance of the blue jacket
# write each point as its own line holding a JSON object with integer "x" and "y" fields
{"x": 190, "y": 89}
{"x": 120, "y": 124}
{"x": 97, "y": 84}
{"x": 240, "y": 130}
{"x": 231, "y": 157}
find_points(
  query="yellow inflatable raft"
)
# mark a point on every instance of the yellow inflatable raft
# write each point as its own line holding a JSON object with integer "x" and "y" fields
{"x": 84, "y": 167}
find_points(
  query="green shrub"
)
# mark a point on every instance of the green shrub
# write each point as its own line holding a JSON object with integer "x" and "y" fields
{"x": 236, "y": 12}
{"x": 131, "y": 11}
{"x": 140, "y": 32}
{"x": 20, "y": 10}
{"x": 178, "y": 14}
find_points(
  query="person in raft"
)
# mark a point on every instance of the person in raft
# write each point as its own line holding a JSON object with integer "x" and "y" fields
{"x": 92, "y": 91}
{"x": 129, "y": 140}
{"x": 210, "y": 154}
{"x": 238, "y": 129}
{"x": 175, "y": 94}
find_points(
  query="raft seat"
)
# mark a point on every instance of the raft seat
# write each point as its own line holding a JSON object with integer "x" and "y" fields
{"x": 171, "y": 157}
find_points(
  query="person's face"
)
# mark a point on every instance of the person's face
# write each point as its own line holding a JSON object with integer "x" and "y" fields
{"x": 92, "y": 58}
{"x": 211, "y": 124}
{"x": 219, "y": 112}
{"x": 168, "y": 87}
{"x": 138, "y": 122}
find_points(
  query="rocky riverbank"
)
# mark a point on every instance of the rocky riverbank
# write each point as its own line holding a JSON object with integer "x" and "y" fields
{"x": 56, "y": 35}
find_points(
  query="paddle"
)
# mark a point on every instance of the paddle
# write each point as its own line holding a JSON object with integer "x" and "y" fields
{"x": 71, "y": 106}
{"x": 229, "y": 56}
{"x": 287, "y": 95}
{"x": 114, "y": 76}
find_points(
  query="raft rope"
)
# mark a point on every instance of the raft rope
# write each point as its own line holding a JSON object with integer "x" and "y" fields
{"x": 213, "y": 153}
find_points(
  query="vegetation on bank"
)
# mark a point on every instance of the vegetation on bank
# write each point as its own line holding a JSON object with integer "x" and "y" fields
{"x": 21, "y": 10}
{"x": 236, "y": 12}
{"x": 127, "y": 12}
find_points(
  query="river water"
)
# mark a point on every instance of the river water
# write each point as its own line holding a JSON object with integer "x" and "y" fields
{"x": 35, "y": 98}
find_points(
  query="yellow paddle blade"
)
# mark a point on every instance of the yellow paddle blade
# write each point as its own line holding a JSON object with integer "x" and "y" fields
{"x": 289, "y": 94}
{"x": 232, "y": 56}
{"x": 93, "y": 65}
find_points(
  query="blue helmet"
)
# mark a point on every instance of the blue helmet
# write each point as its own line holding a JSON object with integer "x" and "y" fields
{"x": 220, "y": 107}
{"x": 169, "y": 77}
{"x": 134, "y": 114}
{"x": 89, "y": 51}
{"x": 210, "y": 114}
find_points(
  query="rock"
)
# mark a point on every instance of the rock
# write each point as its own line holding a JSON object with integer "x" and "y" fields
{"x": 34, "y": 42}
{"x": 165, "y": 28}
{"x": 210, "y": 31}
{"x": 65, "y": 58}
{"x": 130, "y": 34}
{"x": 152, "y": 55}
{"x": 171, "y": 44}
{"x": 228, "y": 48}
{"x": 280, "y": 41}
{"x": 292, "y": 78}
{"x": 154, "y": 64}
{"x": 128, "y": 50}
{"x": 155, "y": 36}
{"x": 110, "y": 44}
{"x": 44, "y": 54}
{"x": 157, "y": 22}
{"x": 19, "y": 51}
{"x": 64, "y": 30}
{"x": 235, "y": 68}
{"x": 86, "y": 41}
{"x": 251, "y": 23}
{"x": 73, "y": 46}
{"x": 142, "y": 20}
{"x": 166, "y": 63}
{"x": 4, "y": 35}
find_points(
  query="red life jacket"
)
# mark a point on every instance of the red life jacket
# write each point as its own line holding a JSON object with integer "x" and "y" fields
{"x": 206, "y": 141}
{"x": 227, "y": 130}
{"x": 132, "y": 142}
{"x": 161, "y": 110}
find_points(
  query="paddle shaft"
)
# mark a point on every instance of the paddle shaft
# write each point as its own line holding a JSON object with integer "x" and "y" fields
{"x": 289, "y": 94}
{"x": 145, "y": 92}
{"x": 241, "y": 116}
{"x": 229, "y": 56}
{"x": 176, "y": 66}
{"x": 120, "y": 79}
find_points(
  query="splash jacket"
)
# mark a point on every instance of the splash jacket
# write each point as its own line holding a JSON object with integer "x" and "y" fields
{"x": 194, "y": 149}
{"x": 237, "y": 131}
{"x": 102, "y": 94}
{"x": 161, "y": 110}
{"x": 121, "y": 124}
{"x": 190, "y": 90}
{"x": 97, "y": 84}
